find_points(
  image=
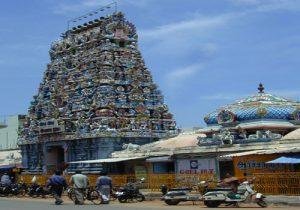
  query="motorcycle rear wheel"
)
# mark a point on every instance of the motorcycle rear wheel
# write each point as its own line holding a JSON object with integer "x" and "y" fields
{"x": 122, "y": 199}
{"x": 21, "y": 193}
{"x": 262, "y": 203}
{"x": 140, "y": 197}
{"x": 212, "y": 204}
{"x": 33, "y": 195}
{"x": 95, "y": 197}
{"x": 71, "y": 194}
{"x": 113, "y": 197}
{"x": 172, "y": 202}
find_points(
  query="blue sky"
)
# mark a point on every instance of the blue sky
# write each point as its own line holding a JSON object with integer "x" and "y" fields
{"x": 202, "y": 53}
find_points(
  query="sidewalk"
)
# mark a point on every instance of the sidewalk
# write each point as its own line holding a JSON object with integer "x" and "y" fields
{"x": 284, "y": 200}
{"x": 271, "y": 199}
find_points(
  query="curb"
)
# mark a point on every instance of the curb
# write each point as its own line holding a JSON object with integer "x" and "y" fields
{"x": 279, "y": 201}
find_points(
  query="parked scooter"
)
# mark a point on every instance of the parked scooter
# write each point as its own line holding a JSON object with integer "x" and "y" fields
{"x": 245, "y": 194}
{"x": 130, "y": 192}
{"x": 176, "y": 195}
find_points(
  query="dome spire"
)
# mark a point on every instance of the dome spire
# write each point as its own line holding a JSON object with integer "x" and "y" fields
{"x": 261, "y": 88}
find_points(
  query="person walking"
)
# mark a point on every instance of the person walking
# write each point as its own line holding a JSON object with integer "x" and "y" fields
{"x": 57, "y": 183}
{"x": 104, "y": 186}
{"x": 80, "y": 183}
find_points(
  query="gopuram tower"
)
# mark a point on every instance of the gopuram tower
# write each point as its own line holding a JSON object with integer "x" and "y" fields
{"x": 96, "y": 95}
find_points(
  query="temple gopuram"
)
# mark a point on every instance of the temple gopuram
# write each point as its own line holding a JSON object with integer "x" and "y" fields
{"x": 96, "y": 97}
{"x": 261, "y": 117}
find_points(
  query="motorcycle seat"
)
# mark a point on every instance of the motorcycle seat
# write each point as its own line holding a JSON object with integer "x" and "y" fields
{"x": 175, "y": 193}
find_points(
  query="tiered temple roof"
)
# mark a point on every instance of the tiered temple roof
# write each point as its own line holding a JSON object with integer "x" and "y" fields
{"x": 257, "y": 110}
{"x": 97, "y": 85}
{"x": 261, "y": 117}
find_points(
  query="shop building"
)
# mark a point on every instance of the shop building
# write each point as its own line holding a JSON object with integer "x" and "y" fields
{"x": 9, "y": 131}
{"x": 10, "y": 154}
{"x": 239, "y": 139}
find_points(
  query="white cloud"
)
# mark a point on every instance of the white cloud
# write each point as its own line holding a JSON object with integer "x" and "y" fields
{"x": 269, "y": 5}
{"x": 290, "y": 5}
{"x": 178, "y": 76}
{"x": 290, "y": 94}
{"x": 64, "y": 8}
{"x": 202, "y": 24}
{"x": 245, "y": 2}
{"x": 196, "y": 24}
{"x": 136, "y": 3}
{"x": 209, "y": 49}
{"x": 40, "y": 47}
{"x": 222, "y": 96}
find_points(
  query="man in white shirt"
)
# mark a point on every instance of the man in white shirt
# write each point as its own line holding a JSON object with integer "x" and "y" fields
{"x": 80, "y": 183}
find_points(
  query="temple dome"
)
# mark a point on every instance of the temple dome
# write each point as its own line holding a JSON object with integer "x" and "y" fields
{"x": 261, "y": 106}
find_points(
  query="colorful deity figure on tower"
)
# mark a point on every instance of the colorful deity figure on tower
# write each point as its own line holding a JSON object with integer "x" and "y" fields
{"x": 96, "y": 95}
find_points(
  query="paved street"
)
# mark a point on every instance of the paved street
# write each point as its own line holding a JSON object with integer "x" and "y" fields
{"x": 41, "y": 204}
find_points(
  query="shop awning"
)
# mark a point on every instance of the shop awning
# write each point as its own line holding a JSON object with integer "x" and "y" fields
{"x": 106, "y": 160}
{"x": 286, "y": 160}
{"x": 263, "y": 152}
{"x": 10, "y": 157}
{"x": 159, "y": 159}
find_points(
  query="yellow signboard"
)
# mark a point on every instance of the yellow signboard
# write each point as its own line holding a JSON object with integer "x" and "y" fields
{"x": 250, "y": 164}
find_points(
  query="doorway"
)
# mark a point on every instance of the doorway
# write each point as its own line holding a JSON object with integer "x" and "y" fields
{"x": 226, "y": 167}
{"x": 55, "y": 158}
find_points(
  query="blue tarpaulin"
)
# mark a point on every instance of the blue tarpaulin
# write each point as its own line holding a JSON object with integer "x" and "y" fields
{"x": 286, "y": 160}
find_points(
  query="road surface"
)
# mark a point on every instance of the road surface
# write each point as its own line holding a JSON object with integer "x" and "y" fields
{"x": 47, "y": 204}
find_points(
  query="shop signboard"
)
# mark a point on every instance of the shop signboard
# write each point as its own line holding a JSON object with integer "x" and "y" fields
{"x": 256, "y": 164}
{"x": 196, "y": 166}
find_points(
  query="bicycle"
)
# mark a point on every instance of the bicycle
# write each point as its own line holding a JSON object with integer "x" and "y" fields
{"x": 90, "y": 194}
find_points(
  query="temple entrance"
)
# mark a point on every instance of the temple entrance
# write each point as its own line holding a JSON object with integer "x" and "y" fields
{"x": 55, "y": 158}
{"x": 226, "y": 167}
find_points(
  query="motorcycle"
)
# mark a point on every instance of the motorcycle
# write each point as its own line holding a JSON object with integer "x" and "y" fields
{"x": 245, "y": 194}
{"x": 5, "y": 190}
{"x": 176, "y": 195}
{"x": 36, "y": 190}
{"x": 19, "y": 189}
{"x": 114, "y": 194}
{"x": 130, "y": 192}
